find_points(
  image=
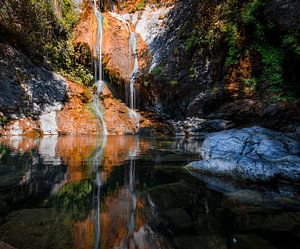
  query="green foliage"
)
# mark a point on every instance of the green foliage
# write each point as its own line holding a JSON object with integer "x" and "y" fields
{"x": 230, "y": 31}
{"x": 251, "y": 82}
{"x": 146, "y": 79}
{"x": 141, "y": 5}
{"x": 250, "y": 10}
{"x": 174, "y": 82}
{"x": 292, "y": 40}
{"x": 157, "y": 70}
{"x": 272, "y": 66}
{"x": 3, "y": 120}
{"x": 44, "y": 32}
{"x": 197, "y": 38}
{"x": 3, "y": 150}
{"x": 69, "y": 16}
{"x": 215, "y": 91}
{"x": 241, "y": 29}
{"x": 72, "y": 61}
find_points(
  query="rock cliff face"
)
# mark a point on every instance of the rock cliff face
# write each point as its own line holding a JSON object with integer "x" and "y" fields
{"x": 223, "y": 60}
{"x": 190, "y": 78}
{"x": 184, "y": 55}
{"x": 25, "y": 88}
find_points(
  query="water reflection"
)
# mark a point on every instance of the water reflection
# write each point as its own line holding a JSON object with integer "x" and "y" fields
{"x": 128, "y": 192}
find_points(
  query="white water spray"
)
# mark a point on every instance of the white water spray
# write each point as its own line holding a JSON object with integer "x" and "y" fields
{"x": 99, "y": 83}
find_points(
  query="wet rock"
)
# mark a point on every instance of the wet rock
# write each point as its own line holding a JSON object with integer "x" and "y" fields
{"x": 196, "y": 126}
{"x": 21, "y": 127}
{"x": 254, "y": 153}
{"x": 47, "y": 120}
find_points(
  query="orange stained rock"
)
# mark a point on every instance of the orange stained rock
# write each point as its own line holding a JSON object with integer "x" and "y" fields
{"x": 86, "y": 29}
{"x": 116, "y": 115}
{"x": 116, "y": 47}
{"x": 23, "y": 126}
{"x": 118, "y": 59}
{"x": 234, "y": 81}
{"x": 76, "y": 117}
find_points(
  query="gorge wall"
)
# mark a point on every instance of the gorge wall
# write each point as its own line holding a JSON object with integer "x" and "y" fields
{"x": 226, "y": 59}
{"x": 219, "y": 59}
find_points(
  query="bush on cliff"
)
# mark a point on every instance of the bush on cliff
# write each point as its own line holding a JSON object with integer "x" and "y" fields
{"x": 43, "y": 31}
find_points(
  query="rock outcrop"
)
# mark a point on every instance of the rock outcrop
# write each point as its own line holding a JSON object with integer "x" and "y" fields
{"x": 30, "y": 95}
{"x": 26, "y": 89}
{"x": 255, "y": 153}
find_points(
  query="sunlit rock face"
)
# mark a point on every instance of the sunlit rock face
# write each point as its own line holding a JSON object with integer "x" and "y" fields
{"x": 86, "y": 29}
{"x": 76, "y": 116}
{"x": 173, "y": 80}
{"x": 28, "y": 90}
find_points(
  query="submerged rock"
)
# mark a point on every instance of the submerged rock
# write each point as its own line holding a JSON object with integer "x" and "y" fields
{"x": 254, "y": 153}
{"x": 37, "y": 228}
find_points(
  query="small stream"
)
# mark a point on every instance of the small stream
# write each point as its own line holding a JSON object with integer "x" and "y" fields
{"x": 130, "y": 192}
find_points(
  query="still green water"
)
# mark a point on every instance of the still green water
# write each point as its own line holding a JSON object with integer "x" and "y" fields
{"x": 128, "y": 192}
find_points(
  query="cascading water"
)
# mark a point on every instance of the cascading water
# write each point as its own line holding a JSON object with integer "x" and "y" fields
{"x": 99, "y": 83}
{"x": 133, "y": 49}
{"x": 132, "y": 98}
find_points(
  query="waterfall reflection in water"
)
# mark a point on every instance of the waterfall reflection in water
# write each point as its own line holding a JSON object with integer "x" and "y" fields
{"x": 131, "y": 192}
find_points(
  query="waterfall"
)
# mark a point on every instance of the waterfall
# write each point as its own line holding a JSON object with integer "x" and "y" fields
{"x": 99, "y": 83}
{"x": 132, "y": 98}
{"x": 133, "y": 78}
{"x": 133, "y": 50}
